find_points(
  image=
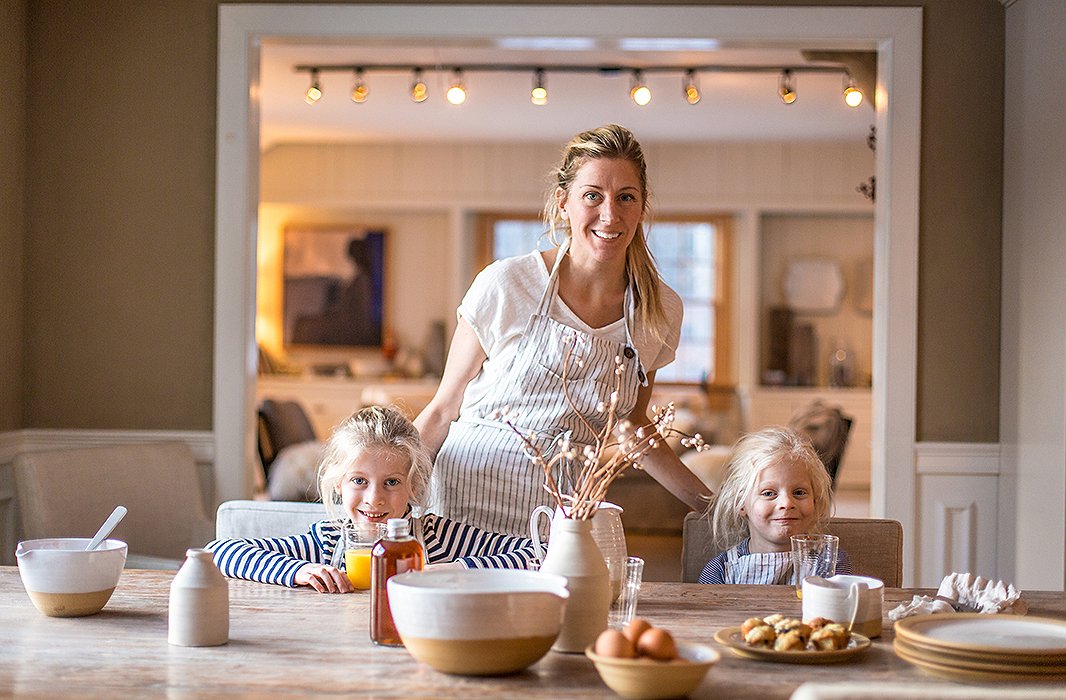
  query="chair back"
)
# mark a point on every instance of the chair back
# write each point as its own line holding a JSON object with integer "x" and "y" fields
{"x": 251, "y": 519}
{"x": 875, "y": 546}
{"x": 69, "y": 493}
{"x": 280, "y": 424}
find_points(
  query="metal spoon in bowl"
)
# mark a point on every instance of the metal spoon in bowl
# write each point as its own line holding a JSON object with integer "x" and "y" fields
{"x": 112, "y": 520}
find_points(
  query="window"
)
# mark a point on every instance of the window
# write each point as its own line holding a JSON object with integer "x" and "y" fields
{"x": 692, "y": 253}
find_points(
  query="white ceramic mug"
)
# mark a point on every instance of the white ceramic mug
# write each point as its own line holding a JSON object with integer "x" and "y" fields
{"x": 845, "y": 598}
{"x": 606, "y": 530}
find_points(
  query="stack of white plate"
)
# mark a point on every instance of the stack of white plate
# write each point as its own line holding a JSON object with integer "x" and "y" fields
{"x": 972, "y": 646}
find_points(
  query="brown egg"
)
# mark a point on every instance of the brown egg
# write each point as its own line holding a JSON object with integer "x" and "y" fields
{"x": 657, "y": 644}
{"x": 636, "y": 627}
{"x": 614, "y": 644}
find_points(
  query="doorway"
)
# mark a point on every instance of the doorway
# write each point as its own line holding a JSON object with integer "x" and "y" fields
{"x": 895, "y": 33}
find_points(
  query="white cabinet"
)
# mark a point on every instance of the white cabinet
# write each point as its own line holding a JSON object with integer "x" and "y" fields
{"x": 774, "y": 406}
{"x": 329, "y": 400}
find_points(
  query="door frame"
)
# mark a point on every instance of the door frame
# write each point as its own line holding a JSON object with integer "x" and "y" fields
{"x": 895, "y": 33}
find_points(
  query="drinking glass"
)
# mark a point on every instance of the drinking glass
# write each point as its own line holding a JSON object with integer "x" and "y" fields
{"x": 625, "y": 605}
{"x": 813, "y": 555}
{"x": 359, "y": 538}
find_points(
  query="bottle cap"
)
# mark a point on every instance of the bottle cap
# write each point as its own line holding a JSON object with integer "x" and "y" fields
{"x": 397, "y": 527}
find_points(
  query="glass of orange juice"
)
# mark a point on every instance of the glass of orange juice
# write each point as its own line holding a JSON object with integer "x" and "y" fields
{"x": 359, "y": 538}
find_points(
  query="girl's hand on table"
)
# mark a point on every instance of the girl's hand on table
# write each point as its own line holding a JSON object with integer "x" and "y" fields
{"x": 324, "y": 579}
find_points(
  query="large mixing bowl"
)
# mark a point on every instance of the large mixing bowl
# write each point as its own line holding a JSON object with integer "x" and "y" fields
{"x": 64, "y": 580}
{"x": 477, "y": 622}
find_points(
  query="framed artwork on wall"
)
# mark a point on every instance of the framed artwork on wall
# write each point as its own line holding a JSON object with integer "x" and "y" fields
{"x": 333, "y": 286}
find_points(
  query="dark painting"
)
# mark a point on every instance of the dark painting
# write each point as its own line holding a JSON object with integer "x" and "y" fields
{"x": 334, "y": 279}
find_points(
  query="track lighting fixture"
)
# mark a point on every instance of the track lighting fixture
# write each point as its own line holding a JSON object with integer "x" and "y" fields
{"x": 457, "y": 92}
{"x": 539, "y": 94}
{"x": 314, "y": 91}
{"x": 691, "y": 87}
{"x": 785, "y": 88}
{"x": 419, "y": 91}
{"x": 638, "y": 91}
{"x": 359, "y": 89}
{"x": 852, "y": 94}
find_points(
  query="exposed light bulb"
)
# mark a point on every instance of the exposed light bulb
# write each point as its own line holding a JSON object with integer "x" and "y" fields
{"x": 852, "y": 94}
{"x": 691, "y": 89}
{"x": 419, "y": 91}
{"x": 639, "y": 92}
{"x": 539, "y": 94}
{"x": 457, "y": 92}
{"x": 314, "y": 91}
{"x": 785, "y": 88}
{"x": 359, "y": 89}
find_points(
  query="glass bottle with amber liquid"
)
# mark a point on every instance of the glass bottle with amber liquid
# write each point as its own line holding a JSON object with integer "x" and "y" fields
{"x": 394, "y": 554}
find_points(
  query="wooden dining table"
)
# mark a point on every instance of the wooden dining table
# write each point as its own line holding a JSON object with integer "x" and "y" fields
{"x": 296, "y": 642}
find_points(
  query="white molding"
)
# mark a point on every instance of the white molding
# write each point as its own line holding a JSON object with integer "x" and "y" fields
{"x": 957, "y": 458}
{"x": 896, "y": 34}
{"x": 201, "y": 443}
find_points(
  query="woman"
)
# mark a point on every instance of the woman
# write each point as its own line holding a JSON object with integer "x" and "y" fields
{"x": 595, "y": 297}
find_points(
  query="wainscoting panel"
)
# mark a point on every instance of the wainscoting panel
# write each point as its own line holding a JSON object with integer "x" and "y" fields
{"x": 958, "y": 488}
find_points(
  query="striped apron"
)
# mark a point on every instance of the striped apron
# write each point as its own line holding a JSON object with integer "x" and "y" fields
{"x": 483, "y": 476}
{"x": 758, "y": 567}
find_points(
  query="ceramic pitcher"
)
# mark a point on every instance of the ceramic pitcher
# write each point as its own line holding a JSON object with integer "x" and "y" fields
{"x": 606, "y": 531}
{"x": 199, "y": 603}
{"x": 574, "y": 554}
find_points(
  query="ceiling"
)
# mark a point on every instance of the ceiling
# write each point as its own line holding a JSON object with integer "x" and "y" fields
{"x": 736, "y": 106}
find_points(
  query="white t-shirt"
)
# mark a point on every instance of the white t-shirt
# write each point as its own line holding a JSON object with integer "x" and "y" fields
{"x": 506, "y": 293}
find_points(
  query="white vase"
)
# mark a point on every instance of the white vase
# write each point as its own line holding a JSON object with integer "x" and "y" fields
{"x": 607, "y": 531}
{"x": 199, "y": 603}
{"x": 574, "y": 554}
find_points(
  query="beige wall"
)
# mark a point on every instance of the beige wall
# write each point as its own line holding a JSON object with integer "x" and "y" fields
{"x": 12, "y": 210}
{"x": 119, "y": 254}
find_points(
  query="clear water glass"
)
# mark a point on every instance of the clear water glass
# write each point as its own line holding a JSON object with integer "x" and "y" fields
{"x": 625, "y": 605}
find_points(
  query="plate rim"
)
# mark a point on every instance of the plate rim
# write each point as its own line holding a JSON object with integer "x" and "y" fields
{"x": 902, "y": 648}
{"x": 904, "y": 628}
{"x": 943, "y": 670}
{"x": 724, "y": 637}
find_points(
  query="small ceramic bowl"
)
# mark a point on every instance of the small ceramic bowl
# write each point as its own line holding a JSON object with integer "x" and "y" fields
{"x": 477, "y": 622}
{"x": 63, "y": 580}
{"x": 645, "y": 679}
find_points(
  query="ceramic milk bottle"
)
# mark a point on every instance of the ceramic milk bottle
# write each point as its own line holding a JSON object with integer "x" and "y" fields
{"x": 199, "y": 603}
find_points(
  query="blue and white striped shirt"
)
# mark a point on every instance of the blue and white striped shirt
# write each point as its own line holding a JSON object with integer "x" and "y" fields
{"x": 277, "y": 559}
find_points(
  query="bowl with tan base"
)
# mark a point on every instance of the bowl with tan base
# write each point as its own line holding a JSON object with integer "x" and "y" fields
{"x": 477, "y": 622}
{"x": 63, "y": 580}
{"x": 643, "y": 678}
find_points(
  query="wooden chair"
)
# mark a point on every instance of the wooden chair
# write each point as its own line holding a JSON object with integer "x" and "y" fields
{"x": 249, "y": 519}
{"x": 874, "y": 545}
{"x": 68, "y": 493}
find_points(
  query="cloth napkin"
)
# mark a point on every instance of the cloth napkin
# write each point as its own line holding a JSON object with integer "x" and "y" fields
{"x": 965, "y": 593}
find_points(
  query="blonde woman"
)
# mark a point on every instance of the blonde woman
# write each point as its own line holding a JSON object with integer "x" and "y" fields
{"x": 596, "y": 296}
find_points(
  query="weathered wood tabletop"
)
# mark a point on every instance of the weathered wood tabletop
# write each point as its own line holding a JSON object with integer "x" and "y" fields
{"x": 287, "y": 642}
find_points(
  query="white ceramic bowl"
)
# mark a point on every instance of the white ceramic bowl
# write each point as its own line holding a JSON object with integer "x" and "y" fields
{"x": 480, "y": 621}
{"x": 647, "y": 679}
{"x": 64, "y": 580}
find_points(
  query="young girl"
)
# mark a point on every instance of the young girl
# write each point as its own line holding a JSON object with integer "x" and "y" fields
{"x": 775, "y": 487}
{"x": 374, "y": 467}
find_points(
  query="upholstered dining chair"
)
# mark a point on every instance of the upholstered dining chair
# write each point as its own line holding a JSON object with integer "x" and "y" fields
{"x": 69, "y": 493}
{"x": 875, "y": 546}
{"x": 250, "y": 519}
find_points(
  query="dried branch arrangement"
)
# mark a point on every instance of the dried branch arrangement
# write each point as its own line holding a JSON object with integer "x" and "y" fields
{"x": 618, "y": 446}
